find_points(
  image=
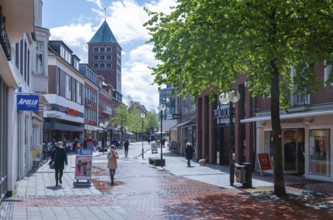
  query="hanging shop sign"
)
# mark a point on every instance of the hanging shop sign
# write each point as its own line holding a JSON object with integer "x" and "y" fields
{"x": 27, "y": 102}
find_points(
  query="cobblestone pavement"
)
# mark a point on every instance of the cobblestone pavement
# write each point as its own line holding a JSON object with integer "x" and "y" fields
{"x": 143, "y": 191}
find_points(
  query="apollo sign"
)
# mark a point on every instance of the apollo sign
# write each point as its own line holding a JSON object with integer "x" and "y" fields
{"x": 27, "y": 102}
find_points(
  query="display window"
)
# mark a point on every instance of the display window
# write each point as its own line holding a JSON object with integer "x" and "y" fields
{"x": 319, "y": 152}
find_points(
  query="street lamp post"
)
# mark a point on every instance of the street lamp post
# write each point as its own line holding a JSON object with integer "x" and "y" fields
{"x": 230, "y": 97}
{"x": 161, "y": 108}
{"x": 143, "y": 115}
{"x": 104, "y": 126}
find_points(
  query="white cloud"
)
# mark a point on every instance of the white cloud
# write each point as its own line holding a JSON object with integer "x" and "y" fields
{"x": 97, "y": 2}
{"x": 126, "y": 19}
{"x": 137, "y": 79}
{"x": 75, "y": 37}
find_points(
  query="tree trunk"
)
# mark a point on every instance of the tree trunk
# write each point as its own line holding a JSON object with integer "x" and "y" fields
{"x": 279, "y": 187}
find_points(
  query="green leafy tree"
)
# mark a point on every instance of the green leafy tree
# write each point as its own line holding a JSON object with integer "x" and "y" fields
{"x": 121, "y": 118}
{"x": 151, "y": 121}
{"x": 135, "y": 120}
{"x": 204, "y": 43}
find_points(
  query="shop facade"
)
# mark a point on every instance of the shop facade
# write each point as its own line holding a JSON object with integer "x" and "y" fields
{"x": 306, "y": 142}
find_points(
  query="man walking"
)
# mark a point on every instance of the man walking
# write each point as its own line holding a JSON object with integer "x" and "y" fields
{"x": 126, "y": 144}
{"x": 189, "y": 153}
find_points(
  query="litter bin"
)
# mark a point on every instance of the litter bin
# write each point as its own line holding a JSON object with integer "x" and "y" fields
{"x": 248, "y": 175}
{"x": 240, "y": 173}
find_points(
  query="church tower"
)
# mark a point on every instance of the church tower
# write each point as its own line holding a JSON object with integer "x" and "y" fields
{"x": 104, "y": 56}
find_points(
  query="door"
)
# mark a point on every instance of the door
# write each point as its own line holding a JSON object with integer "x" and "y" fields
{"x": 290, "y": 150}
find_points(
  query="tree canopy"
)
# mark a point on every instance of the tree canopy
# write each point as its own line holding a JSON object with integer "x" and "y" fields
{"x": 204, "y": 43}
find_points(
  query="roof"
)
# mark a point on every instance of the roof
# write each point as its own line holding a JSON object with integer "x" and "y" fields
{"x": 103, "y": 35}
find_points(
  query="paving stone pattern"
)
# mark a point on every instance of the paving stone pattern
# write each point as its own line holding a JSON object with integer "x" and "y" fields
{"x": 143, "y": 191}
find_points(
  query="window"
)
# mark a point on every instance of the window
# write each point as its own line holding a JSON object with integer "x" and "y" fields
{"x": 327, "y": 72}
{"x": 17, "y": 57}
{"x": 39, "y": 58}
{"x": 95, "y": 49}
{"x": 102, "y": 50}
{"x": 76, "y": 64}
{"x": 102, "y": 65}
{"x": 108, "y": 49}
{"x": 21, "y": 57}
{"x": 95, "y": 65}
{"x": 298, "y": 99}
{"x": 108, "y": 57}
{"x": 65, "y": 54}
{"x": 319, "y": 152}
{"x": 68, "y": 87}
{"x": 95, "y": 57}
{"x": 102, "y": 57}
{"x": 78, "y": 92}
{"x": 108, "y": 65}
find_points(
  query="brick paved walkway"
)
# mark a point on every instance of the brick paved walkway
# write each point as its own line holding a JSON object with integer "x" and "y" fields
{"x": 146, "y": 192}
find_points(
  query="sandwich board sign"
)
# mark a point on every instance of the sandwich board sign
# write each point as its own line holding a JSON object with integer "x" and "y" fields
{"x": 264, "y": 162}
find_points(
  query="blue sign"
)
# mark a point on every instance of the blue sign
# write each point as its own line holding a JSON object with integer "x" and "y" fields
{"x": 84, "y": 151}
{"x": 27, "y": 102}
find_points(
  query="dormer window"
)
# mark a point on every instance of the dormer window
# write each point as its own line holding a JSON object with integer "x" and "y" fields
{"x": 65, "y": 54}
{"x": 76, "y": 64}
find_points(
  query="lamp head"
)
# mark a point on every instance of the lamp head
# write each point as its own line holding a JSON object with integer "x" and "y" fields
{"x": 234, "y": 96}
{"x": 224, "y": 98}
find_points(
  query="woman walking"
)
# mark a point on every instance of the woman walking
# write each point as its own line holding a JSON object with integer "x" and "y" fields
{"x": 59, "y": 159}
{"x": 112, "y": 162}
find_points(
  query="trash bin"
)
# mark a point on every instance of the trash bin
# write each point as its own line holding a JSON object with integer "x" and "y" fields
{"x": 248, "y": 175}
{"x": 240, "y": 173}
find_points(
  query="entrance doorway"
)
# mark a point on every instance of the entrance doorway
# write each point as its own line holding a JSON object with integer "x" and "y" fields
{"x": 293, "y": 151}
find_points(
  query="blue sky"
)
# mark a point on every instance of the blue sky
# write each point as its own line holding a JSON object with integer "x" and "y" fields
{"x": 75, "y": 22}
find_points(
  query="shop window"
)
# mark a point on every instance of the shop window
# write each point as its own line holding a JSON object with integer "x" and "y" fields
{"x": 319, "y": 152}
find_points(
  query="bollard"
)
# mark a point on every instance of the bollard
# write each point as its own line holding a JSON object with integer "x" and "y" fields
{"x": 248, "y": 175}
{"x": 232, "y": 173}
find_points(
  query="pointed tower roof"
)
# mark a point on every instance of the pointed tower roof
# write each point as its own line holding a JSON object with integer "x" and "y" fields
{"x": 103, "y": 35}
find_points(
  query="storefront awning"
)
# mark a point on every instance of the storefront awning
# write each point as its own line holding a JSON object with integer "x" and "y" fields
{"x": 290, "y": 115}
{"x": 62, "y": 127}
{"x": 92, "y": 128}
{"x": 188, "y": 123}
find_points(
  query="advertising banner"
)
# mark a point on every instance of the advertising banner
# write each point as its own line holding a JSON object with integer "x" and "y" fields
{"x": 83, "y": 163}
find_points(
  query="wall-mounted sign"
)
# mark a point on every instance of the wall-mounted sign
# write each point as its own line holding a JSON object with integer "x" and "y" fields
{"x": 27, "y": 102}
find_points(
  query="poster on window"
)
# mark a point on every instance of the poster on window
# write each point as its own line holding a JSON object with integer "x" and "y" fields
{"x": 37, "y": 153}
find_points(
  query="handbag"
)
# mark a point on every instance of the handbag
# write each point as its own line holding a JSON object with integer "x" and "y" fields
{"x": 51, "y": 165}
